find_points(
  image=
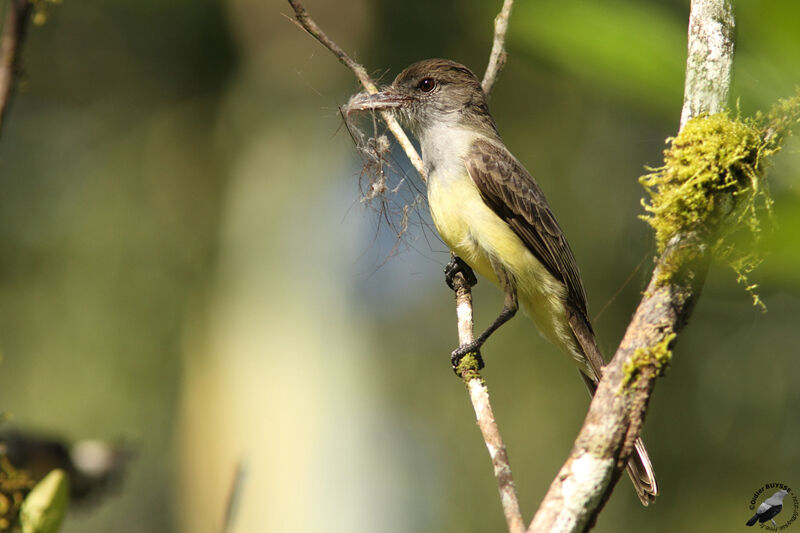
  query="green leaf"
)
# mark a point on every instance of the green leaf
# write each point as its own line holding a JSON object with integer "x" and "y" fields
{"x": 632, "y": 50}
{"x": 45, "y": 506}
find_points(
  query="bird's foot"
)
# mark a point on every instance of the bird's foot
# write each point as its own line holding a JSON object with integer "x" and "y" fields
{"x": 455, "y": 266}
{"x": 471, "y": 348}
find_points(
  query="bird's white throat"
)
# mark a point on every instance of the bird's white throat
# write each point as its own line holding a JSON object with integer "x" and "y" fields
{"x": 444, "y": 146}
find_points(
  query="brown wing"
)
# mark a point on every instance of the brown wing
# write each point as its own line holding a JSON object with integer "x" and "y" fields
{"x": 515, "y": 196}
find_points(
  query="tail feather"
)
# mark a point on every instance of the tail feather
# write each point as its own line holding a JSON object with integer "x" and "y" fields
{"x": 640, "y": 470}
{"x": 753, "y": 520}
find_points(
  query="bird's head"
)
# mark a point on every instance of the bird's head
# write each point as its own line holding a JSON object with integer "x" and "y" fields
{"x": 430, "y": 93}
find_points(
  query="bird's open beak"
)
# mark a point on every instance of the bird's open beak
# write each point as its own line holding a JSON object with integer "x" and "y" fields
{"x": 386, "y": 99}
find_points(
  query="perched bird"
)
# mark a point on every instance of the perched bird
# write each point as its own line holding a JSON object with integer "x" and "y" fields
{"x": 492, "y": 214}
{"x": 95, "y": 468}
{"x": 769, "y": 509}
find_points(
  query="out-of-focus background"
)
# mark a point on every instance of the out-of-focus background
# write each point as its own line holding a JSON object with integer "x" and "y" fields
{"x": 185, "y": 265}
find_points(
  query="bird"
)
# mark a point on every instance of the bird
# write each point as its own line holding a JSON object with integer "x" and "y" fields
{"x": 769, "y": 509}
{"x": 494, "y": 217}
{"x": 95, "y": 468}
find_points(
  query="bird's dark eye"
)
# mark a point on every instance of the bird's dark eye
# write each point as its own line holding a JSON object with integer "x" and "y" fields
{"x": 426, "y": 85}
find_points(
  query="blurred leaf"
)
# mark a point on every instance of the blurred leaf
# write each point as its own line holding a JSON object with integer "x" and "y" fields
{"x": 635, "y": 51}
{"x": 45, "y": 506}
{"x": 767, "y": 51}
{"x": 783, "y": 244}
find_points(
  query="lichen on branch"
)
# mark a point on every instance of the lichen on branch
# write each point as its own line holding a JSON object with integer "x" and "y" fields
{"x": 713, "y": 183}
{"x": 469, "y": 368}
{"x": 657, "y": 357}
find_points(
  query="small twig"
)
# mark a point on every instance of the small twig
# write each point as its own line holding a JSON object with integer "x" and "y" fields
{"x": 479, "y": 395}
{"x": 234, "y": 496}
{"x": 497, "y": 58}
{"x": 14, "y": 26}
{"x": 307, "y": 23}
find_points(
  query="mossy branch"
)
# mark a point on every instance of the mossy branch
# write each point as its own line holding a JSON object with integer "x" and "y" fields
{"x": 710, "y": 191}
{"x": 618, "y": 408}
{"x": 656, "y": 357}
{"x": 713, "y": 181}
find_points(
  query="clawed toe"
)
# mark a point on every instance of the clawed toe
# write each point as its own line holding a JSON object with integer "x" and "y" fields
{"x": 455, "y": 266}
{"x": 472, "y": 348}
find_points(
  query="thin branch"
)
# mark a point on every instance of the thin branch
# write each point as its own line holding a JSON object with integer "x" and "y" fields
{"x": 478, "y": 392}
{"x": 618, "y": 408}
{"x": 307, "y": 23}
{"x": 497, "y": 58}
{"x": 14, "y": 26}
{"x": 234, "y": 496}
{"x": 479, "y": 395}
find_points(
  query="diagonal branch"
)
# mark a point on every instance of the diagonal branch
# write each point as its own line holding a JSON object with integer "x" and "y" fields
{"x": 305, "y": 21}
{"x": 479, "y": 395}
{"x": 14, "y": 26}
{"x": 617, "y": 411}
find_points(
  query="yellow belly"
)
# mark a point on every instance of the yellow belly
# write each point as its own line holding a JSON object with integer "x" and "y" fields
{"x": 474, "y": 232}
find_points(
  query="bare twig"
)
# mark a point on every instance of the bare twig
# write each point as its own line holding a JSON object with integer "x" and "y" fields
{"x": 618, "y": 408}
{"x": 478, "y": 392}
{"x": 14, "y": 26}
{"x": 307, "y": 23}
{"x": 479, "y": 395}
{"x": 234, "y": 496}
{"x": 497, "y": 58}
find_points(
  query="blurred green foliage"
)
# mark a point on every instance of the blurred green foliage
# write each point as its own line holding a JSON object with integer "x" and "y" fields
{"x": 634, "y": 54}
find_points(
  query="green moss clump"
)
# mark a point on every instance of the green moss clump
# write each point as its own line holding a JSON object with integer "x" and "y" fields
{"x": 14, "y": 486}
{"x": 658, "y": 357}
{"x": 469, "y": 368}
{"x": 712, "y": 182}
{"x": 713, "y": 167}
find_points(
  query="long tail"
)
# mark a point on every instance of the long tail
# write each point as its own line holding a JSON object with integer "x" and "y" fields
{"x": 640, "y": 469}
{"x": 753, "y": 520}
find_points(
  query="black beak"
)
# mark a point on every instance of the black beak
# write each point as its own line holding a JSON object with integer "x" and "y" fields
{"x": 389, "y": 98}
